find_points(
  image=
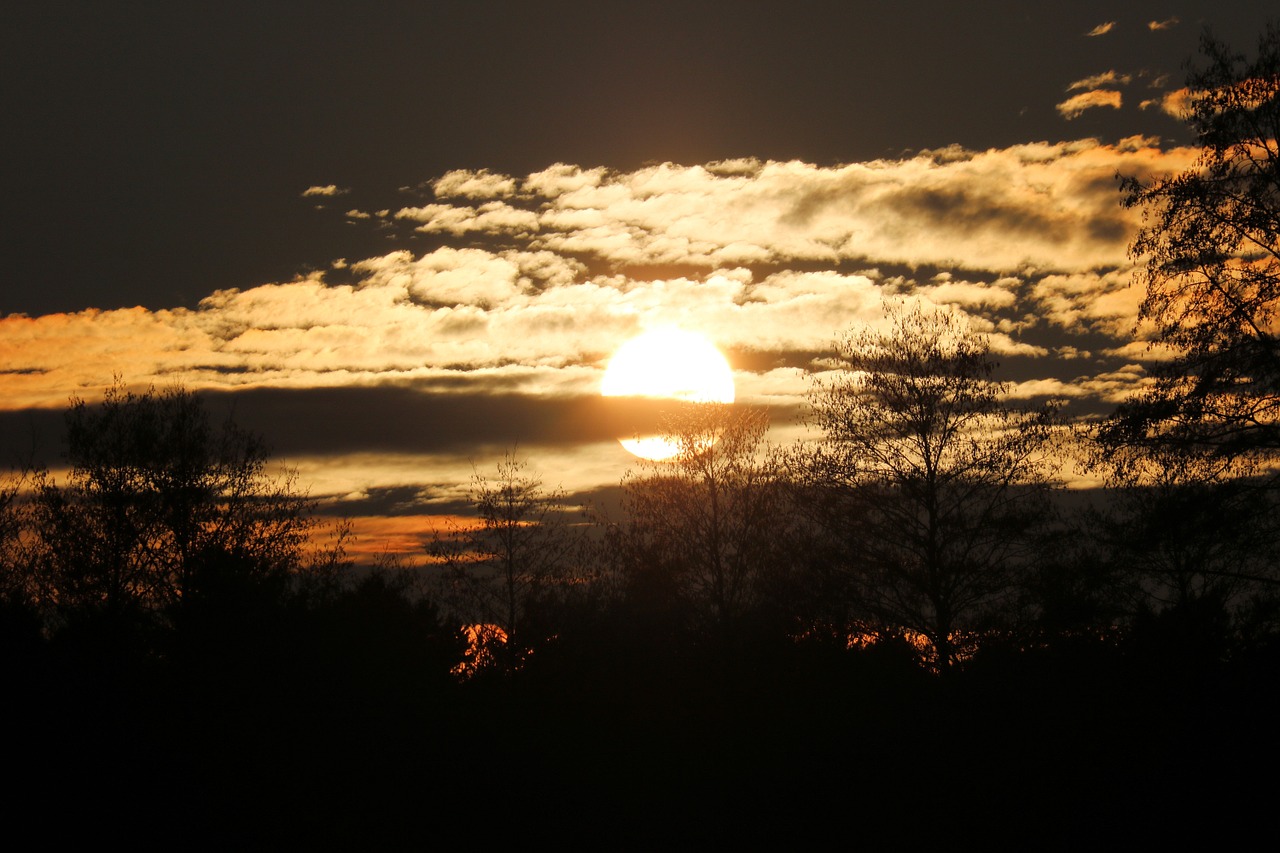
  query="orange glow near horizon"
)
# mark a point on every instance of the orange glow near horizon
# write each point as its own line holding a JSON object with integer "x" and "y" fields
{"x": 376, "y": 536}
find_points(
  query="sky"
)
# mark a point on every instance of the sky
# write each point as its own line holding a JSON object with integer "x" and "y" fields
{"x": 399, "y": 239}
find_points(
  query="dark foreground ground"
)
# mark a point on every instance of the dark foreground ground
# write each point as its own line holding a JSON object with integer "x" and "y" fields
{"x": 335, "y": 741}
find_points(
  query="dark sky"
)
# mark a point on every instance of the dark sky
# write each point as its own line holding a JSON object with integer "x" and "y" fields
{"x": 155, "y": 152}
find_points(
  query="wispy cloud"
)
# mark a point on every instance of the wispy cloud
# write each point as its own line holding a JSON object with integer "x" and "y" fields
{"x": 491, "y": 218}
{"x": 1106, "y": 78}
{"x": 1176, "y": 103}
{"x": 1074, "y": 106}
{"x": 1101, "y": 29}
{"x": 1167, "y": 23}
{"x": 481, "y": 184}
{"x": 959, "y": 207}
{"x": 1089, "y": 303}
{"x": 326, "y": 190}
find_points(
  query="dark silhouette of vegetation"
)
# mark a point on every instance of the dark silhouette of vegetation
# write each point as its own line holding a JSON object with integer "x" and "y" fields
{"x": 306, "y": 700}
{"x": 1210, "y": 245}
{"x": 1196, "y": 537}
{"x": 1190, "y": 461}
{"x": 161, "y": 512}
{"x": 933, "y": 482}
{"x": 503, "y": 574}
{"x": 181, "y": 651}
{"x": 188, "y": 661}
{"x": 709, "y": 530}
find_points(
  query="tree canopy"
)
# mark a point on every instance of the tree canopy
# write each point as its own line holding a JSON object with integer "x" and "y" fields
{"x": 160, "y": 507}
{"x": 932, "y": 475}
{"x": 501, "y": 571}
{"x": 1210, "y": 249}
{"x": 714, "y": 519}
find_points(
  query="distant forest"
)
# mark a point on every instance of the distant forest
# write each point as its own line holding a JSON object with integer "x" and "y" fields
{"x": 904, "y": 632}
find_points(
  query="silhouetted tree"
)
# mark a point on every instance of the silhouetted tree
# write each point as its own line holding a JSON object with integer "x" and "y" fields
{"x": 522, "y": 551}
{"x": 1074, "y": 591}
{"x": 20, "y": 627}
{"x": 1192, "y": 538}
{"x": 13, "y": 580}
{"x": 1210, "y": 244}
{"x": 712, "y": 523}
{"x": 928, "y": 478}
{"x": 159, "y": 507}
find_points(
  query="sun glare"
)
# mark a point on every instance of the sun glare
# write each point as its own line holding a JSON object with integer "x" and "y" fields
{"x": 667, "y": 363}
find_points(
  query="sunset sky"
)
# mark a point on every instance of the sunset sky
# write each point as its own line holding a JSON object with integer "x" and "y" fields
{"x": 399, "y": 238}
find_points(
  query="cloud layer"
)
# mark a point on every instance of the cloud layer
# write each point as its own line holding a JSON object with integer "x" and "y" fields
{"x": 536, "y": 279}
{"x": 495, "y": 328}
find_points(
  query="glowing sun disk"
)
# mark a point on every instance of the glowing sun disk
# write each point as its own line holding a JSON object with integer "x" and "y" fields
{"x": 667, "y": 363}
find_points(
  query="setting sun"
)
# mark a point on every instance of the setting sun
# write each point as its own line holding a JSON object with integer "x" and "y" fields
{"x": 587, "y": 423}
{"x": 667, "y": 363}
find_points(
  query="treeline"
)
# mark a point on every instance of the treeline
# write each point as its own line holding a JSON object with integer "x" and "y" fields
{"x": 900, "y": 634}
{"x": 762, "y": 643}
{"x": 186, "y": 660}
{"x": 929, "y": 515}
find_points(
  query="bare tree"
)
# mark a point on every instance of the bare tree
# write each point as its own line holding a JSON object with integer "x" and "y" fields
{"x": 713, "y": 520}
{"x": 931, "y": 481}
{"x": 522, "y": 551}
{"x": 14, "y": 557}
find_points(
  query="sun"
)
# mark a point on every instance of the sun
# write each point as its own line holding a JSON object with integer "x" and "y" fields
{"x": 672, "y": 364}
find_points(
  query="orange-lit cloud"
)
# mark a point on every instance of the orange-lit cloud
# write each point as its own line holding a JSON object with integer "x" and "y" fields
{"x": 566, "y": 298}
{"x": 481, "y": 184}
{"x": 1102, "y": 29}
{"x": 948, "y": 206}
{"x": 1089, "y": 303}
{"x": 1075, "y": 105}
{"x": 530, "y": 283}
{"x": 1106, "y": 78}
{"x": 1176, "y": 103}
{"x": 1245, "y": 94}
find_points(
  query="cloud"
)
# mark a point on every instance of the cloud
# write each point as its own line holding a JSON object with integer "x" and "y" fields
{"x": 481, "y": 184}
{"x": 1106, "y": 78}
{"x": 1166, "y": 24}
{"x": 492, "y": 217}
{"x": 1115, "y": 385}
{"x": 1245, "y": 94}
{"x": 1176, "y": 103}
{"x": 945, "y": 207}
{"x": 1047, "y": 207}
{"x": 1075, "y": 105}
{"x": 324, "y": 191}
{"x": 562, "y": 178}
{"x": 449, "y": 418}
{"x": 1089, "y": 303}
{"x": 946, "y": 291}
{"x": 497, "y": 330}
{"x": 1101, "y": 29}
{"x": 1051, "y": 388}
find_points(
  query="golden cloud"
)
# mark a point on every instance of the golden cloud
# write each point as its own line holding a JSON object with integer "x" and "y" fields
{"x": 1075, "y": 105}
